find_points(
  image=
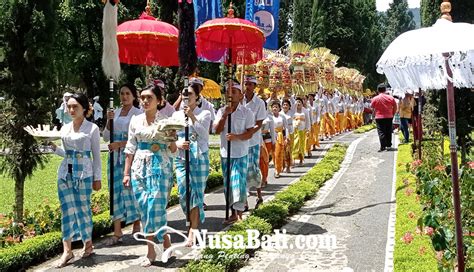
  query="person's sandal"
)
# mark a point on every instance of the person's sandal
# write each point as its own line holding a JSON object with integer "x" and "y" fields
{"x": 147, "y": 262}
{"x": 114, "y": 240}
{"x": 259, "y": 201}
{"x": 87, "y": 252}
{"x": 63, "y": 261}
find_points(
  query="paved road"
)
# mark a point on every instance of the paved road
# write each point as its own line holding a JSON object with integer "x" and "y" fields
{"x": 354, "y": 207}
{"x": 126, "y": 257}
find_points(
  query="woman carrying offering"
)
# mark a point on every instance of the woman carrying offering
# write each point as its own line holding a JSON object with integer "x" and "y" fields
{"x": 78, "y": 174}
{"x": 148, "y": 169}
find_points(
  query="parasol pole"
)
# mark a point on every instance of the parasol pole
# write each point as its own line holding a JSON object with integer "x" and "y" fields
{"x": 445, "y": 10}
{"x": 186, "y": 155}
{"x": 420, "y": 129}
{"x": 454, "y": 164}
{"x": 111, "y": 68}
{"x": 187, "y": 66}
{"x": 229, "y": 130}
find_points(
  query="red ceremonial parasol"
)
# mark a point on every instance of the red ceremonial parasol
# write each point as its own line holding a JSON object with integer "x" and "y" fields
{"x": 148, "y": 41}
{"x": 241, "y": 42}
{"x": 215, "y": 37}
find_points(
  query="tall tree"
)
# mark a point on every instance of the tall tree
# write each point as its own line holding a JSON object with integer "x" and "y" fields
{"x": 285, "y": 28}
{"x": 430, "y": 12}
{"x": 351, "y": 29}
{"x": 28, "y": 28}
{"x": 301, "y": 20}
{"x": 317, "y": 37}
{"x": 399, "y": 20}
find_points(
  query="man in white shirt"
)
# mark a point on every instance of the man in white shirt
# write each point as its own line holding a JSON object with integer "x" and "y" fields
{"x": 98, "y": 112}
{"x": 256, "y": 105}
{"x": 242, "y": 129}
{"x": 204, "y": 104}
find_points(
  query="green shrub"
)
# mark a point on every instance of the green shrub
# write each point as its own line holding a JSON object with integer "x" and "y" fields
{"x": 365, "y": 128}
{"x": 203, "y": 266}
{"x": 307, "y": 188}
{"x": 36, "y": 249}
{"x": 231, "y": 258}
{"x": 273, "y": 212}
{"x": 174, "y": 196}
{"x": 294, "y": 199}
{"x": 214, "y": 180}
{"x": 102, "y": 224}
{"x": 253, "y": 222}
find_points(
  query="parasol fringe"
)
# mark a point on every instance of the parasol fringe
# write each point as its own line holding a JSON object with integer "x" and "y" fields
{"x": 110, "y": 52}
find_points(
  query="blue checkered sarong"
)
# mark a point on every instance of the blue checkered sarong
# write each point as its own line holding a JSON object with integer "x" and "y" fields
{"x": 254, "y": 175}
{"x": 125, "y": 204}
{"x": 74, "y": 194}
{"x": 238, "y": 179}
{"x": 151, "y": 187}
{"x": 199, "y": 171}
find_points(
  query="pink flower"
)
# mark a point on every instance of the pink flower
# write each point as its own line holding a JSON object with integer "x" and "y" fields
{"x": 408, "y": 191}
{"x": 411, "y": 215}
{"x": 440, "y": 168}
{"x": 471, "y": 164}
{"x": 418, "y": 198}
{"x": 415, "y": 164}
{"x": 439, "y": 255}
{"x": 405, "y": 181}
{"x": 429, "y": 231}
{"x": 418, "y": 230}
{"x": 407, "y": 238}
{"x": 422, "y": 250}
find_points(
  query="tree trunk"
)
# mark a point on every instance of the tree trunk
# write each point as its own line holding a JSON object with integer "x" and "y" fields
{"x": 19, "y": 199}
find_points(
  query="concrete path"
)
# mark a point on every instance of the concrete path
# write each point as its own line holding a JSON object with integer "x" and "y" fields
{"x": 350, "y": 214}
{"x": 126, "y": 257}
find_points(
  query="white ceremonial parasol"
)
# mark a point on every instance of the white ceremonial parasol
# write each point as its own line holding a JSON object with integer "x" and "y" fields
{"x": 437, "y": 57}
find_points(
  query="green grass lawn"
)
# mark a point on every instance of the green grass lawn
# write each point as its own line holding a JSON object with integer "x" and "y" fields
{"x": 419, "y": 254}
{"x": 40, "y": 187}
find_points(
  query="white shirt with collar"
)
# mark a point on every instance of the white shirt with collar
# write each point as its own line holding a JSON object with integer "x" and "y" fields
{"x": 86, "y": 139}
{"x": 257, "y": 107}
{"x": 241, "y": 120}
{"x": 200, "y": 127}
{"x": 205, "y": 105}
{"x": 168, "y": 110}
{"x": 121, "y": 123}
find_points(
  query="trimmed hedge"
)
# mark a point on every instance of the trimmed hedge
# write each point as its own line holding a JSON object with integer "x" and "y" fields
{"x": 365, "y": 128}
{"x": 272, "y": 214}
{"x": 39, "y": 248}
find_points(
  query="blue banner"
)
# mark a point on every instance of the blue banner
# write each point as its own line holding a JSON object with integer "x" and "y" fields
{"x": 265, "y": 13}
{"x": 205, "y": 10}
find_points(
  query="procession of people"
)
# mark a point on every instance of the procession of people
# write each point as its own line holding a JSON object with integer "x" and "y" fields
{"x": 279, "y": 132}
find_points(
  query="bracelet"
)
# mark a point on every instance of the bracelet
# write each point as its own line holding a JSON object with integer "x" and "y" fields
{"x": 126, "y": 175}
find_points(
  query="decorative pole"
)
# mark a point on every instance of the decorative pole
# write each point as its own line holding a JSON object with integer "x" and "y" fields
{"x": 229, "y": 128}
{"x": 187, "y": 66}
{"x": 445, "y": 10}
{"x": 111, "y": 68}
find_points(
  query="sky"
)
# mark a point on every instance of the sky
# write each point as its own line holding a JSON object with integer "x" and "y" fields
{"x": 382, "y": 5}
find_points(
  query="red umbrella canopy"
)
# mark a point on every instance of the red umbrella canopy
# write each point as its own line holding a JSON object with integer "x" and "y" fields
{"x": 148, "y": 41}
{"x": 215, "y": 37}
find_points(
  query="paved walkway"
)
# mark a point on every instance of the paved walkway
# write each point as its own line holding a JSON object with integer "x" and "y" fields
{"x": 126, "y": 256}
{"x": 353, "y": 208}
